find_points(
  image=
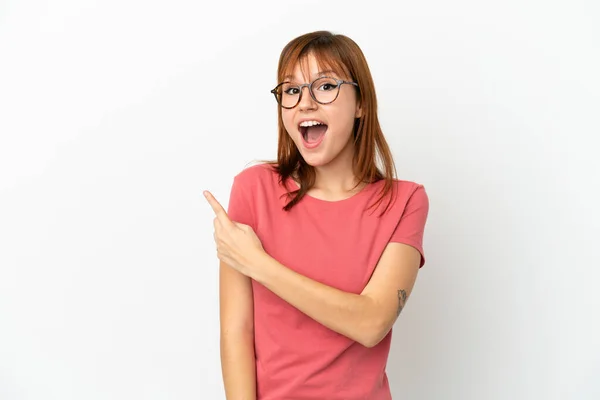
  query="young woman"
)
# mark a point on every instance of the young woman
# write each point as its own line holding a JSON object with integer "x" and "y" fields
{"x": 319, "y": 249}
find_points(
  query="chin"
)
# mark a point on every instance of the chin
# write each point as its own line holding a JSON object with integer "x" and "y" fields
{"x": 317, "y": 161}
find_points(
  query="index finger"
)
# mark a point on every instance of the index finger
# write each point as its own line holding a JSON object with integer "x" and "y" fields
{"x": 218, "y": 209}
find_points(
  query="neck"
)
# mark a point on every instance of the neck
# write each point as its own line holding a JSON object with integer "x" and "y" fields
{"x": 337, "y": 177}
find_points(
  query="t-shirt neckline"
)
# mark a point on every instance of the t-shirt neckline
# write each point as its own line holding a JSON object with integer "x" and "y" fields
{"x": 323, "y": 201}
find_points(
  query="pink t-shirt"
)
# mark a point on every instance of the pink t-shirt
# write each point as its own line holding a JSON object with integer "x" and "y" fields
{"x": 336, "y": 243}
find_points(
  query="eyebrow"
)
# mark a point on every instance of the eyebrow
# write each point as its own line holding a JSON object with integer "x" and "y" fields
{"x": 320, "y": 73}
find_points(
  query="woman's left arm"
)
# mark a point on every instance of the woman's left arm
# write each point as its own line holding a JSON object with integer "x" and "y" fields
{"x": 365, "y": 318}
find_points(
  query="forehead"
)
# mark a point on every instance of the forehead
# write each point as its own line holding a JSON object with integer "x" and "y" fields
{"x": 310, "y": 67}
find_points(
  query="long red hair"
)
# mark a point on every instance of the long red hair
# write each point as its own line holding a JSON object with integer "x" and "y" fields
{"x": 341, "y": 54}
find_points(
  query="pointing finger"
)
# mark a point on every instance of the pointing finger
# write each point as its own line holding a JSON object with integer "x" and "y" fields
{"x": 218, "y": 210}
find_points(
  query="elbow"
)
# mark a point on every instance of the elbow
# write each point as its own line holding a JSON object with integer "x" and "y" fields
{"x": 370, "y": 343}
{"x": 374, "y": 334}
{"x": 374, "y": 328}
{"x": 372, "y": 340}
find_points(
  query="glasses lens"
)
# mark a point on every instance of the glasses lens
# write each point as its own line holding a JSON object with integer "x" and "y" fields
{"x": 325, "y": 90}
{"x": 288, "y": 94}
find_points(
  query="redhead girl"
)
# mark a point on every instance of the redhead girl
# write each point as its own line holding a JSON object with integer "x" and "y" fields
{"x": 319, "y": 250}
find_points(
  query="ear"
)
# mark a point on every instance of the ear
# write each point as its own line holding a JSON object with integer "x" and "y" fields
{"x": 359, "y": 112}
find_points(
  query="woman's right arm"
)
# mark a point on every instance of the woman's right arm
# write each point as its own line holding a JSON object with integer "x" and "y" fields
{"x": 238, "y": 362}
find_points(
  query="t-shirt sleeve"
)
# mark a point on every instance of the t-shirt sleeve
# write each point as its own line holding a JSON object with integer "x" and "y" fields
{"x": 411, "y": 226}
{"x": 240, "y": 208}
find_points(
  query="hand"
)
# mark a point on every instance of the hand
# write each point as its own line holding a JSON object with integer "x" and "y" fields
{"x": 237, "y": 244}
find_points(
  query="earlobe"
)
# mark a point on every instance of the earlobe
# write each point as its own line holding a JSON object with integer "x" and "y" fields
{"x": 358, "y": 113}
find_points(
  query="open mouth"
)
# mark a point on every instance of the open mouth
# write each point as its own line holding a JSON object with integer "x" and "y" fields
{"x": 312, "y": 132}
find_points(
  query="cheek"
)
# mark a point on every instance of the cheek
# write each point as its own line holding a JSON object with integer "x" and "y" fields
{"x": 343, "y": 122}
{"x": 287, "y": 122}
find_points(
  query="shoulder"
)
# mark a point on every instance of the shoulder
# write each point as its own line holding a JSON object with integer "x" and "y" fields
{"x": 403, "y": 188}
{"x": 249, "y": 176}
{"x": 411, "y": 192}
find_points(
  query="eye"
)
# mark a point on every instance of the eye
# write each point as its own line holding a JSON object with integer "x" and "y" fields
{"x": 327, "y": 86}
{"x": 292, "y": 91}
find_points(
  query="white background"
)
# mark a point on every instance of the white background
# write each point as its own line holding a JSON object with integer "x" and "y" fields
{"x": 115, "y": 115}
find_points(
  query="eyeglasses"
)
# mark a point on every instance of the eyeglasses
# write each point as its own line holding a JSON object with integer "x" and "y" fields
{"x": 323, "y": 90}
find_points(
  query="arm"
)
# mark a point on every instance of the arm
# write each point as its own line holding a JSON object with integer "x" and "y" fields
{"x": 237, "y": 334}
{"x": 366, "y": 317}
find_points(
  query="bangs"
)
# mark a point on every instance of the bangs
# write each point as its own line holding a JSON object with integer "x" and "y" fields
{"x": 326, "y": 58}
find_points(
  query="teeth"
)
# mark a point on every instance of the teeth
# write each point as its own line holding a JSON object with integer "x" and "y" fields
{"x": 310, "y": 123}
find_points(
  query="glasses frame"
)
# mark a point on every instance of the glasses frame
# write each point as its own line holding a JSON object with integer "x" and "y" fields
{"x": 339, "y": 82}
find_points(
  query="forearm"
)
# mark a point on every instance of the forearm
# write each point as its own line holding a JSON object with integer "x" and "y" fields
{"x": 238, "y": 365}
{"x": 349, "y": 314}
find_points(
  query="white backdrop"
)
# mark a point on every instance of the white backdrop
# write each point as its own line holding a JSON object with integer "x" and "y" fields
{"x": 115, "y": 115}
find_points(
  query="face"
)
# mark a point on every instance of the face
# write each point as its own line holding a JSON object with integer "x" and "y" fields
{"x": 332, "y": 142}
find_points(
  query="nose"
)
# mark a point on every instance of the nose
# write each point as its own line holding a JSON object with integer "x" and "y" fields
{"x": 306, "y": 101}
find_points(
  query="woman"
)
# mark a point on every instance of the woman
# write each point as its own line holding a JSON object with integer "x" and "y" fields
{"x": 319, "y": 249}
